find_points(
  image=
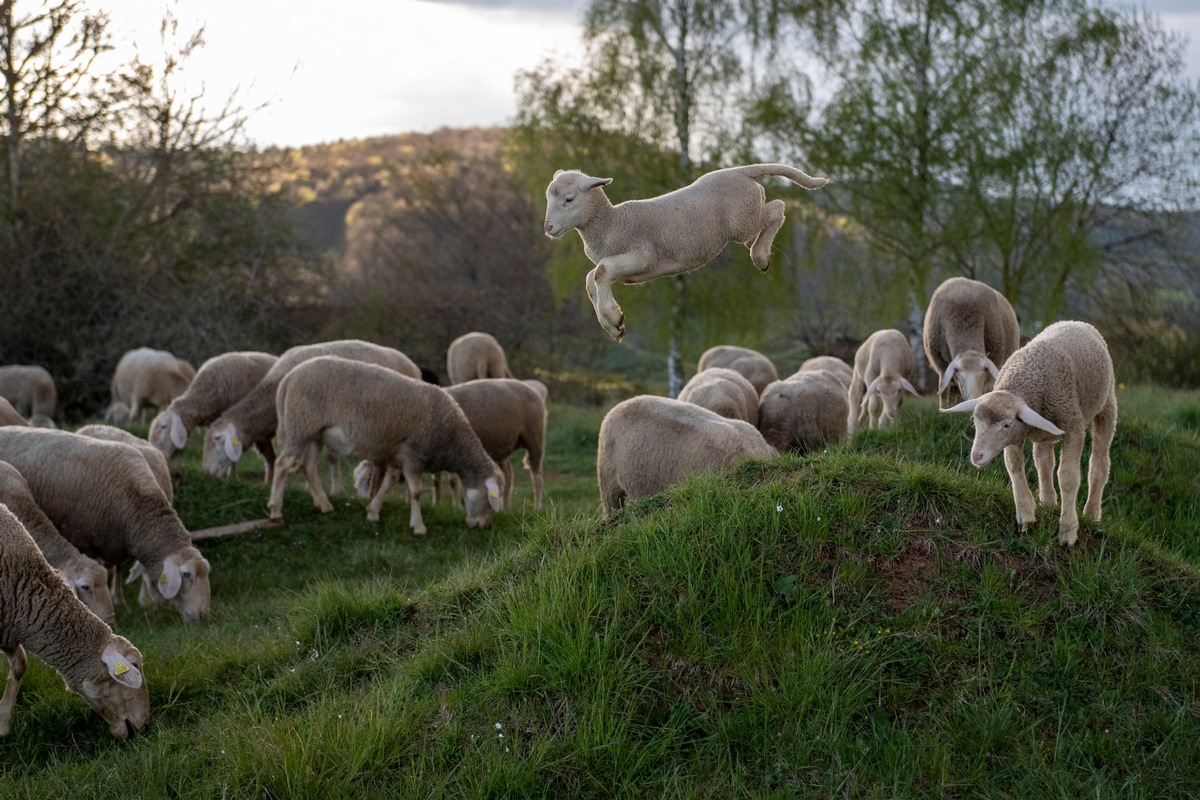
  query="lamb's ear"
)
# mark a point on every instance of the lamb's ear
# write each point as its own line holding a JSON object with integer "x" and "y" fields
{"x": 992, "y": 369}
{"x": 120, "y": 669}
{"x": 493, "y": 493}
{"x": 179, "y": 434}
{"x": 908, "y": 387}
{"x": 966, "y": 407}
{"x": 587, "y": 183}
{"x": 170, "y": 580}
{"x": 1036, "y": 420}
{"x": 951, "y": 368}
{"x": 233, "y": 444}
{"x": 135, "y": 573}
{"x": 873, "y": 388}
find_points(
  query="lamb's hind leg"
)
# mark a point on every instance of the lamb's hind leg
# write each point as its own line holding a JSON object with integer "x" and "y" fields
{"x": 1043, "y": 459}
{"x": 772, "y": 221}
{"x": 1104, "y": 426}
{"x": 313, "y": 478}
{"x": 16, "y": 671}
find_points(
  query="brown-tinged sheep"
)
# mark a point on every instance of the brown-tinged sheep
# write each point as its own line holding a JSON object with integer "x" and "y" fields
{"x": 725, "y": 391}
{"x": 883, "y": 367}
{"x": 804, "y": 412}
{"x": 475, "y": 355}
{"x": 970, "y": 331}
{"x": 756, "y": 367}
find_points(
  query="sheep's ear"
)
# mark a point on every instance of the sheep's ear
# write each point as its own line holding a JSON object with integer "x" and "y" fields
{"x": 170, "y": 580}
{"x": 120, "y": 670}
{"x": 951, "y": 368}
{"x": 908, "y": 387}
{"x": 587, "y": 183}
{"x": 233, "y": 444}
{"x": 135, "y": 573}
{"x": 966, "y": 407}
{"x": 363, "y": 475}
{"x": 872, "y": 388}
{"x": 1036, "y": 420}
{"x": 493, "y": 493}
{"x": 179, "y": 434}
{"x": 992, "y": 369}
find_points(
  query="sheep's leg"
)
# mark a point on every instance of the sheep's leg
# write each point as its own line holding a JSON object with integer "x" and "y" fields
{"x": 507, "y": 470}
{"x": 610, "y": 315}
{"x": 285, "y": 466}
{"x": 266, "y": 449}
{"x": 312, "y": 477}
{"x": 1104, "y": 426}
{"x": 384, "y": 484}
{"x": 437, "y": 488}
{"x": 335, "y": 474}
{"x": 535, "y": 472}
{"x": 875, "y": 411}
{"x": 413, "y": 478}
{"x": 1068, "y": 483}
{"x": 638, "y": 266}
{"x": 1014, "y": 462}
{"x": 1043, "y": 460}
{"x": 772, "y": 221}
{"x": 16, "y": 671}
{"x": 856, "y": 407}
{"x": 456, "y": 489}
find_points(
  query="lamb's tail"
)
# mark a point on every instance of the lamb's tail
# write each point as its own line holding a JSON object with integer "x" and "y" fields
{"x": 794, "y": 175}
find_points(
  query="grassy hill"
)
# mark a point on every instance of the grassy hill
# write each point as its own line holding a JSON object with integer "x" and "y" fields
{"x": 861, "y": 622}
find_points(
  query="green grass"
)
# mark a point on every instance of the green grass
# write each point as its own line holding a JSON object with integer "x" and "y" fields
{"x": 861, "y": 622}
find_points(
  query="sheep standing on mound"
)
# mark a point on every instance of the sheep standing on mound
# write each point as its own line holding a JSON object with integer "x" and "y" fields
{"x": 1050, "y": 389}
{"x": 723, "y": 391}
{"x": 831, "y": 364}
{"x": 882, "y": 369}
{"x": 219, "y": 383}
{"x": 371, "y": 412}
{"x": 970, "y": 331}
{"x": 648, "y": 443}
{"x": 640, "y": 240}
{"x": 475, "y": 355}
{"x": 38, "y": 611}
{"x": 146, "y": 378}
{"x": 804, "y": 412}
{"x": 753, "y": 365}
{"x": 31, "y": 391}
{"x": 104, "y": 499}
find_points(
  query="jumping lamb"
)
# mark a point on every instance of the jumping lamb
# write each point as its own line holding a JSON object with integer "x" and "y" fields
{"x": 371, "y": 412}
{"x": 725, "y": 391}
{"x": 38, "y": 611}
{"x": 648, "y": 443}
{"x": 146, "y": 378}
{"x": 31, "y": 391}
{"x": 475, "y": 355}
{"x": 804, "y": 412}
{"x": 883, "y": 366}
{"x": 970, "y": 331}
{"x": 104, "y": 499}
{"x": 756, "y": 367}
{"x": 640, "y": 240}
{"x": 1051, "y": 389}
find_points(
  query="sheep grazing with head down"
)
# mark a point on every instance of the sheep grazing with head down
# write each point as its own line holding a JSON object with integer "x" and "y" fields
{"x": 804, "y": 412}
{"x": 753, "y": 365}
{"x": 475, "y": 355}
{"x": 883, "y": 366}
{"x": 38, "y": 611}
{"x": 31, "y": 391}
{"x": 970, "y": 331}
{"x": 831, "y": 364}
{"x": 1051, "y": 389}
{"x": 724, "y": 391}
{"x": 146, "y": 378}
{"x": 640, "y": 240}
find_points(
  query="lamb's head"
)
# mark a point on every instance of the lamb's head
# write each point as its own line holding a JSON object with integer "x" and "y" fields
{"x": 222, "y": 448}
{"x": 1001, "y": 419}
{"x": 571, "y": 199}
{"x": 168, "y": 433}
{"x": 972, "y": 372}
{"x": 890, "y": 389}
{"x": 114, "y": 687}
{"x": 183, "y": 581}
{"x": 484, "y": 499}
{"x": 89, "y": 582}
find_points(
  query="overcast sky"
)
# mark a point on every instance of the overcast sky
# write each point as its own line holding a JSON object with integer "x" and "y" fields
{"x": 357, "y": 68}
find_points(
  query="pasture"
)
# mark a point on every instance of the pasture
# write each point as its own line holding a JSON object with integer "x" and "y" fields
{"x": 858, "y": 622}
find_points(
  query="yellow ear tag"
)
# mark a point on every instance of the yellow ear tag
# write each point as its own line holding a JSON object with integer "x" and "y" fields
{"x": 163, "y": 578}
{"x": 493, "y": 492}
{"x": 121, "y": 668}
{"x": 236, "y": 442}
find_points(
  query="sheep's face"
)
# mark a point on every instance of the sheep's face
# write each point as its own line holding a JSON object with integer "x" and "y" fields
{"x": 167, "y": 433}
{"x": 184, "y": 582}
{"x": 115, "y": 687}
{"x": 1002, "y": 419}
{"x": 972, "y": 372}
{"x": 89, "y": 582}
{"x": 484, "y": 500}
{"x": 569, "y": 201}
{"x": 890, "y": 390}
{"x": 222, "y": 449}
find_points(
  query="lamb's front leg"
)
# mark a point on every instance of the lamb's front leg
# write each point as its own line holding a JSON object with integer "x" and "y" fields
{"x": 633, "y": 267}
{"x": 1068, "y": 483}
{"x": 1014, "y": 462}
{"x": 385, "y": 483}
{"x": 413, "y": 478}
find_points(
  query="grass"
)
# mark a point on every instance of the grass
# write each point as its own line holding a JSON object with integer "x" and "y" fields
{"x": 861, "y": 622}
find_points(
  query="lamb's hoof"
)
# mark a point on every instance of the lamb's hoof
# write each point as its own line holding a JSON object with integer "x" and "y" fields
{"x": 325, "y": 508}
{"x": 1069, "y": 535}
{"x": 372, "y": 516}
{"x": 419, "y": 532}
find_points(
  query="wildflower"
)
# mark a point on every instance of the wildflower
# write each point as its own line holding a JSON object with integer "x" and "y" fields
{"x": 778, "y": 507}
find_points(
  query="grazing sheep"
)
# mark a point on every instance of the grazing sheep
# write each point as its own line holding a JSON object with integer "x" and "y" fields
{"x": 831, "y": 364}
{"x": 539, "y": 387}
{"x": 757, "y": 368}
{"x": 104, "y": 499}
{"x": 154, "y": 459}
{"x": 369, "y": 411}
{"x": 724, "y": 391}
{"x": 219, "y": 383}
{"x": 38, "y": 611}
{"x": 84, "y": 575}
{"x": 1050, "y": 389}
{"x": 31, "y": 391}
{"x": 640, "y": 240}
{"x": 970, "y": 331}
{"x": 804, "y": 412}
{"x": 648, "y": 443}
{"x": 9, "y": 415}
{"x": 146, "y": 378}
{"x": 252, "y": 419}
{"x": 882, "y": 368}
{"x": 475, "y": 355}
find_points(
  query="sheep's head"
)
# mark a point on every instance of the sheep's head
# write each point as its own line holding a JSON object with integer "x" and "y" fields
{"x": 89, "y": 582}
{"x": 972, "y": 372}
{"x": 167, "y": 433}
{"x": 184, "y": 582}
{"x": 484, "y": 500}
{"x": 222, "y": 448}
{"x": 115, "y": 688}
{"x": 891, "y": 389}
{"x": 569, "y": 201}
{"x": 1001, "y": 419}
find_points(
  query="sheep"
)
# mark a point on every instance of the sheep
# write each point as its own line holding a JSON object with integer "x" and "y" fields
{"x": 38, "y": 611}
{"x": 1050, "y": 389}
{"x": 970, "y": 331}
{"x": 154, "y": 459}
{"x": 9, "y": 415}
{"x": 725, "y": 391}
{"x": 219, "y": 383}
{"x": 146, "y": 377}
{"x": 804, "y": 412}
{"x": 104, "y": 499}
{"x": 640, "y": 240}
{"x": 648, "y": 443}
{"x": 253, "y": 418}
{"x": 757, "y": 368}
{"x": 831, "y": 364}
{"x": 882, "y": 367}
{"x": 84, "y": 575}
{"x": 475, "y": 355}
{"x": 369, "y": 411}
{"x": 539, "y": 387}
{"x": 31, "y": 391}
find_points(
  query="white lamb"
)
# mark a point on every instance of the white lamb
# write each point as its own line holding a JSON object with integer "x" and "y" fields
{"x": 104, "y": 499}
{"x": 219, "y": 383}
{"x": 371, "y": 412}
{"x": 31, "y": 391}
{"x": 725, "y": 391}
{"x": 38, "y": 611}
{"x": 640, "y": 240}
{"x": 648, "y": 443}
{"x": 970, "y": 331}
{"x": 882, "y": 369}
{"x": 146, "y": 378}
{"x": 1049, "y": 389}
{"x": 756, "y": 367}
{"x": 475, "y": 355}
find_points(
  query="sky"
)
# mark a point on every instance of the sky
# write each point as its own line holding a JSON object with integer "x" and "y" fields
{"x": 323, "y": 71}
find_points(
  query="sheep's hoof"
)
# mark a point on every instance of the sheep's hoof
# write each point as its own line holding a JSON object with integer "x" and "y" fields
{"x": 1068, "y": 536}
{"x": 325, "y": 508}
